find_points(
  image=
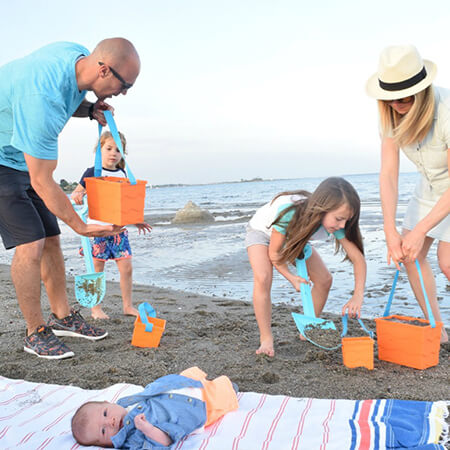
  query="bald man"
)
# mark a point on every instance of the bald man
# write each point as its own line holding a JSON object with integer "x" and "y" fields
{"x": 38, "y": 95}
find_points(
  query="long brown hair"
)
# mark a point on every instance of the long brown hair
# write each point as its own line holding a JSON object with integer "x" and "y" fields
{"x": 412, "y": 126}
{"x": 309, "y": 211}
{"x": 106, "y": 135}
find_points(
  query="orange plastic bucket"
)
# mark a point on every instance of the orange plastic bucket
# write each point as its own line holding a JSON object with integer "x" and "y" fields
{"x": 409, "y": 341}
{"x": 147, "y": 328}
{"x": 115, "y": 200}
{"x": 357, "y": 352}
{"x": 407, "y": 344}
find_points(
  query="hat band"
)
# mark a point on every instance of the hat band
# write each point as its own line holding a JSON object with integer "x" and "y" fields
{"x": 410, "y": 82}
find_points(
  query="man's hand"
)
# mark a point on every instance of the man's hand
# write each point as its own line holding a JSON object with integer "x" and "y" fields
{"x": 97, "y": 113}
{"x": 94, "y": 230}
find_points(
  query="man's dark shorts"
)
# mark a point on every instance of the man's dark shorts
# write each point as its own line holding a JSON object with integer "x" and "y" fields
{"x": 24, "y": 217}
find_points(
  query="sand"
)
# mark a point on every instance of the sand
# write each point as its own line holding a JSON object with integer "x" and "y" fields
{"x": 220, "y": 336}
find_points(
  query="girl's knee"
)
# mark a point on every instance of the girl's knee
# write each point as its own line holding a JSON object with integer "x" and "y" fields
{"x": 325, "y": 281}
{"x": 263, "y": 280}
{"x": 445, "y": 268}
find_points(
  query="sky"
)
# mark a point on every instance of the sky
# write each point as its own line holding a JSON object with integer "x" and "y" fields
{"x": 237, "y": 89}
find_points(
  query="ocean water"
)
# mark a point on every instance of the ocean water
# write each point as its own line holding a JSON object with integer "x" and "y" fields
{"x": 211, "y": 259}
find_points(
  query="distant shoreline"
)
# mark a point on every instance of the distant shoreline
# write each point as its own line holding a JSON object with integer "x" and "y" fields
{"x": 70, "y": 186}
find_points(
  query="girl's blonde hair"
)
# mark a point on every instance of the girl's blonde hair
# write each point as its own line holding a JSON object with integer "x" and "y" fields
{"x": 414, "y": 125}
{"x": 107, "y": 135}
{"x": 309, "y": 212}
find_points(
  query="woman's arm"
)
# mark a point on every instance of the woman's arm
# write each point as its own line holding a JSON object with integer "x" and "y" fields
{"x": 413, "y": 241}
{"x": 353, "y": 306}
{"x": 277, "y": 241}
{"x": 152, "y": 432}
{"x": 389, "y": 197}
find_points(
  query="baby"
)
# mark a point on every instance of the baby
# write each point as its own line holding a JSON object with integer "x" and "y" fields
{"x": 167, "y": 410}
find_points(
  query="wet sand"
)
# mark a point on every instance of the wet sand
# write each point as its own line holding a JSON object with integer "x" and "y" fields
{"x": 220, "y": 336}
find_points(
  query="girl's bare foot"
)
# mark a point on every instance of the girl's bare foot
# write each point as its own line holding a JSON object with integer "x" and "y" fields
{"x": 444, "y": 336}
{"x": 302, "y": 338}
{"x": 98, "y": 313}
{"x": 266, "y": 348}
{"x": 130, "y": 311}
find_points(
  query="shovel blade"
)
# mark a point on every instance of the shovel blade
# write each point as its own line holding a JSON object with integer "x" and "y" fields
{"x": 302, "y": 321}
{"x": 90, "y": 289}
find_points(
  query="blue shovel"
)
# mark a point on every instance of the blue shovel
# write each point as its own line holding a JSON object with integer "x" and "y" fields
{"x": 309, "y": 316}
{"x": 91, "y": 287}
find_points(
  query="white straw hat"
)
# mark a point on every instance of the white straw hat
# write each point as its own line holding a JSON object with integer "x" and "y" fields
{"x": 401, "y": 73}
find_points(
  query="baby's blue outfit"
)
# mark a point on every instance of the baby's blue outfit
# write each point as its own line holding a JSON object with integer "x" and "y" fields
{"x": 38, "y": 95}
{"x": 176, "y": 414}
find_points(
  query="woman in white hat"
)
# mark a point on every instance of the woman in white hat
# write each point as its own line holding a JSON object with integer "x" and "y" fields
{"x": 414, "y": 117}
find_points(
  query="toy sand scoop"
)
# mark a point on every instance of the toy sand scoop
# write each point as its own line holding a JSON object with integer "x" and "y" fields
{"x": 89, "y": 288}
{"x": 308, "y": 318}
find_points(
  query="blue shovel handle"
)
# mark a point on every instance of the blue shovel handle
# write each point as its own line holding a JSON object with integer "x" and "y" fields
{"x": 305, "y": 289}
{"x": 145, "y": 311}
{"x": 82, "y": 211}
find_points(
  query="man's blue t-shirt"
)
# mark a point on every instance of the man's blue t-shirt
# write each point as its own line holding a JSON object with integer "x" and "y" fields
{"x": 38, "y": 95}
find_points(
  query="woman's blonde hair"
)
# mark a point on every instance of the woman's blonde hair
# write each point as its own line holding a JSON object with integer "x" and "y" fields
{"x": 412, "y": 126}
{"x": 308, "y": 214}
{"x": 107, "y": 135}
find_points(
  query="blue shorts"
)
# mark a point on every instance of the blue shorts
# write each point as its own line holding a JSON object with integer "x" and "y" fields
{"x": 111, "y": 247}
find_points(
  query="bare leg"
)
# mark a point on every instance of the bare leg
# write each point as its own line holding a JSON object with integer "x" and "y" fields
{"x": 125, "y": 267}
{"x": 54, "y": 277}
{"x": 429, "y": 282}
{"x": 26, "y": 277}
{"x": 443, "y": 253}
{"x": 322, "y": 280}
{"x": 97, "y": 311}
{"x": 258, "y": 256}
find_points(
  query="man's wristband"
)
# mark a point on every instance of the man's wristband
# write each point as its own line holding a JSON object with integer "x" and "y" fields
{"x": 91, "y": 111}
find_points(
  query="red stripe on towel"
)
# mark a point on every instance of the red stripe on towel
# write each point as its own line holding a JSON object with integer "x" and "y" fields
{"x": 363, "y": 422}
{"x": 247, "y": 420}
{"x": 326, "y": 428}
{"x": 301, "y": 423}
{"x": 274, "y": 424}
{"x": 4, "y": 431}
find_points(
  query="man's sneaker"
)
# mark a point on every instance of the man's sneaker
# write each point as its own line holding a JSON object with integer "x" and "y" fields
{"x": 44, "y": 344}
{"x": 74, "y": 325}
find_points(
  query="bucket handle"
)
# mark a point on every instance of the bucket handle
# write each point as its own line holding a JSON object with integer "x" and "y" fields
{"x": 145, "y": 311}
{"x": 345, "y": 326}
{"x": 115, "y": 134}
{"x": 427, "y": 302}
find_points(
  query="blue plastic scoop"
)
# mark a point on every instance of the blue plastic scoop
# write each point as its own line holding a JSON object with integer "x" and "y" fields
{"x": 309, "y": 316}
{"x": 91, "y": 287}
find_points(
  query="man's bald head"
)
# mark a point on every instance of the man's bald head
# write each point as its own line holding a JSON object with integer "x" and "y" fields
{"x": 117, "y": 52}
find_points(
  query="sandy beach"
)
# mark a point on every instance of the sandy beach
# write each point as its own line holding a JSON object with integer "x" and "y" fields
{"x": 220, "y": 336}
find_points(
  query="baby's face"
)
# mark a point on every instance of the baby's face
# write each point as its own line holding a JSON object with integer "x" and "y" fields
{"x": 106, "y": 419}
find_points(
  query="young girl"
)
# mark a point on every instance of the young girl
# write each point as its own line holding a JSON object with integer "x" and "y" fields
{"x": 279, "y": 232}
{"x": 111, "y": 247}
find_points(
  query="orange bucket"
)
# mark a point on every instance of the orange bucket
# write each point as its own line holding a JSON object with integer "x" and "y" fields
{"x": 148, "y": 331}
{"x": 404, "y": 342}
{"x": 115, "y": 200}
{"x": 407, "y": 344}
{"x": 357, "y": 352}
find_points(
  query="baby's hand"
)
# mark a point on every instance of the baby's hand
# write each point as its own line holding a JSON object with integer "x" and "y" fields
{"x": 296, "y": 281}
{"x": 144, "y": 227}
{"x": 140, "y": 422}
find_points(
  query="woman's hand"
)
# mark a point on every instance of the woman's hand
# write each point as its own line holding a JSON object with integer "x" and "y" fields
{"x": 353, "y": 306}
{"x": 296, "y": 281}
{"x": 412, "y": 243}
{"x": 143, "y": 227}
{"x": 394, "y": 249}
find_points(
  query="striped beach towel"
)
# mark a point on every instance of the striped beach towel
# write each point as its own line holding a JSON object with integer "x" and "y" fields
{"x": 37, "y": 416}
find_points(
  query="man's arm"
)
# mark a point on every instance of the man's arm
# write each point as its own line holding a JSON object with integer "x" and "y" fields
{"x": 41, "y": 176}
